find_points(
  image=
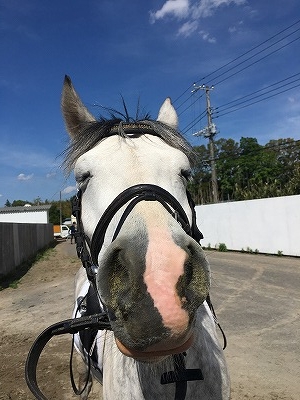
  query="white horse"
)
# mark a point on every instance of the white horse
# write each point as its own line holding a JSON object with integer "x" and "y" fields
{"x": 151, "y": 275}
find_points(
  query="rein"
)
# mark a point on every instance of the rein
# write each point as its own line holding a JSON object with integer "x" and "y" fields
{"x": 72, "y": 326}
{"x": 88, "y": 252}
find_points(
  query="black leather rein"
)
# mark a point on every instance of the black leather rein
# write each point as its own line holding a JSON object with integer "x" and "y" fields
{"x": 74, "y": 325}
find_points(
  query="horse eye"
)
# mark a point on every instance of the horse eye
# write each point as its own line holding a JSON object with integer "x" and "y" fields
{"x": 83, "y": 179}
{"x": 186, "y": 174}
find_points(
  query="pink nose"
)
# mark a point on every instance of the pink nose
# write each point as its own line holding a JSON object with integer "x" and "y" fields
{"x": 165, "y": 264}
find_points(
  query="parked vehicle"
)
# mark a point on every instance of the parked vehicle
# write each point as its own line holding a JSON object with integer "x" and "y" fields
{"x": 61, "y": 231}
{"x": 69, "y": 221}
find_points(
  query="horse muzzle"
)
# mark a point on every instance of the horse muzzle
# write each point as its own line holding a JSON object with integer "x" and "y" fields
{"x": 152, "y": 289}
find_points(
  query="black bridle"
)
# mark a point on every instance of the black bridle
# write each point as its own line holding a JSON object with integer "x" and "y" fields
{"x": 133, "y": 195}
{"x": 88, "y": 252}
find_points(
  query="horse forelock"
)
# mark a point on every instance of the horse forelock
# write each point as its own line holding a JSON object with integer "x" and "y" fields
{"x": 92, "y": 133}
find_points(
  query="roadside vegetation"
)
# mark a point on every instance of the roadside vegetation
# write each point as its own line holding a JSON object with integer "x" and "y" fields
{"x": 12, "y": 280}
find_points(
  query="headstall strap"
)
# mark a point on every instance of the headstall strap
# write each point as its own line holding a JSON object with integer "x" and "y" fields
{"x": 81, "y": 241}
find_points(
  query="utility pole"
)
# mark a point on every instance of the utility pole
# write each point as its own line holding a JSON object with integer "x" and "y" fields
{"x": 209, "y": 132}
{"x": 60, "y": 210}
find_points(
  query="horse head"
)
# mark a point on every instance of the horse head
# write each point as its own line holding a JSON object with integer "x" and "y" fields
{"x": 152, "y": 275}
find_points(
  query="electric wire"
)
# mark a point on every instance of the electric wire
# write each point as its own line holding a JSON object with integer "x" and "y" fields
{"x": 260, "y": 90}
{"x": 248, "y": 51}
{"x": 192, "y": 103}
{"x": 241, "y": 56}
{"x": 257, "y": 101}
{"x": 234, "y": 104}
{"x": 195, "y": 121}
{"x": 254, "y": 62}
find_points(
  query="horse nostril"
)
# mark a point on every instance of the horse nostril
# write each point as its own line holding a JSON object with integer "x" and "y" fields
{"x": 193, "y": 285}
{"x": 188, "y": 272}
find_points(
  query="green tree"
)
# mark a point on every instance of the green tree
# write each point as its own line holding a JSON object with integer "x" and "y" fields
{"x": 200, "y": 186}
{"x": 38, "y": 201}
{"x": 227, "y": 153}
{"x": 66, "y": 210}
{"x": 287, "y": 152}
{"x": 19, "y": 203}
{"x": 54, "y": 215}
{"x": 248, "y": 170}
{"x": 257, "y": 172}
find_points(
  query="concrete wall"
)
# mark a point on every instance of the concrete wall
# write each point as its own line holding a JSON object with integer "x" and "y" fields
{"x": 268, "y": 225}
{"x": 19, "y": 242}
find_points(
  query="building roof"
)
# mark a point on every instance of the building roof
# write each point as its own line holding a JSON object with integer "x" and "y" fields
{"x": 11, "y": 210}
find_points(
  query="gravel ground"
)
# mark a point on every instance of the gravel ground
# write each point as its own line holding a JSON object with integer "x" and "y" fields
{"x": 256, "y": 298}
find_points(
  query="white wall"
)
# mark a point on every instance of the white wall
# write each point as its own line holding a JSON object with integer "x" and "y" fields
{"x": 32, "y": 217}
{"x": 268, "y": 225}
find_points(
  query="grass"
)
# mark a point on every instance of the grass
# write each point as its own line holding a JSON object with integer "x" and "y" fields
{"x": 13, "y": 279}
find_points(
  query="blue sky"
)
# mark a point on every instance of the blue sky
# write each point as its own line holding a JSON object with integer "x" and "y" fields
{"x": 140, "y": 49}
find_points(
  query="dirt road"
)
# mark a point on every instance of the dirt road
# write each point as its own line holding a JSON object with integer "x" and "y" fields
{"x": 256, "y": 299}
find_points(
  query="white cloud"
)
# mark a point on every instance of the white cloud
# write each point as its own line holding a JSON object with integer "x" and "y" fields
{"x": 69, "y": 189}
{"x": 193, "y": 11}
{"x": 206, "y": 8}
{"x": 207, "y": 38}
{"x": 188, "y": 28}
{"x": 23, "y": 177}
{"x": 234, "y": 28}
{"x": 175, "y": 8}
{"x": 50, "y": 175}
{"x": 293, "y": 104}
{"x": 196, "y": 9}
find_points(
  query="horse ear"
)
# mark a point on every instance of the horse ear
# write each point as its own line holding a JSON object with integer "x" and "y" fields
{"x": 167, "y": 114}
{"x": 74, "y": 112}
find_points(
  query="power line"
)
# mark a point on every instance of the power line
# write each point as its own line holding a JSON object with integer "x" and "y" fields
{"x": 239, "y": 57}
{"x": 221, "y": 113}
{"x": 179, "y": 97}
{"x": 194, "y": 122}
{"x": 258, "y": 91}
{"x": 254, "y": 62}
{"x": 249, "y": 51}
{"x": 257, "y": 101}
{"x": 240, "y": 103}
{"x": 192, "y": 103}
{"x": 265, "y": 98}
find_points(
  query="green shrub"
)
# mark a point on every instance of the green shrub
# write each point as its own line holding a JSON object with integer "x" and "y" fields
{"x": 222, "y": 247}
